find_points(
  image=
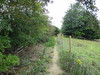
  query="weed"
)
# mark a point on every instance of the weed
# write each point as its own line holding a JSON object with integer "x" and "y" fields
{"x": 39, "y": 65}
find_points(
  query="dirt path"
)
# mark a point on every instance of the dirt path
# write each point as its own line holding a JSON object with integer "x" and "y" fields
{"x": 54, "y": 68}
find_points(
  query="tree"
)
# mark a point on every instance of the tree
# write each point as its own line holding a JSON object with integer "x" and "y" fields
{"x": 57, "y": 31}
{"x": 88, "y": 4}
{"x": 22, "y": 22}
{"x": 79, "y": 22}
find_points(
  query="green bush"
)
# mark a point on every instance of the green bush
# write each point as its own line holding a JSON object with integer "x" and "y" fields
{"x": 51, "y": 42}
{"x": 4, "y": 43}
{"x": 57, "y": 31}
{"x": 20, "y": 28}
{"x": 7, "y": 62}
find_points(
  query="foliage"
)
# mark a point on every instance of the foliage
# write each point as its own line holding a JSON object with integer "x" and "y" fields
{"x": 51, "y": 42}
{"x": 7, "y": 62}
{"x": 22, "y": 22}
{"x": 80, "y": 23}
{"x": 83, "y": 60}
{"x": 88, "y": 4}
{"x": 4, "y": 43}
{"x": 57, "y": 31}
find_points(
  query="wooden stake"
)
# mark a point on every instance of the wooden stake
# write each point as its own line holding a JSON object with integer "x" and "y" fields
{"x": 70, "y": 45}
{"x": 63, "y": 41}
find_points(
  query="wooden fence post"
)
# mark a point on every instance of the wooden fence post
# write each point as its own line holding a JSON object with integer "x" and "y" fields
{"x": 70, "y": 45}
{"x": 63, "y": 41}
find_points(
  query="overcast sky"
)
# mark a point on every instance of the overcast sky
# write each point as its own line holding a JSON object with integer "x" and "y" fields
{"x": 59, "y": 7}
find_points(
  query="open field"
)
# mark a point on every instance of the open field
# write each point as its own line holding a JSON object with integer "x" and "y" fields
{"x": 85, "y": 56}
{"x": 86, "y": 50}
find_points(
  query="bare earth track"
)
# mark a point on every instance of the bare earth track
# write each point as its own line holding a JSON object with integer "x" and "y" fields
{"x": 54, "y": 68}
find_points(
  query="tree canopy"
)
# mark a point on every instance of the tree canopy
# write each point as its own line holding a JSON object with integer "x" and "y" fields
{"x": 79, "y": 22}
{"x": 22, "y": 22}
{"x": 88, "y": 4}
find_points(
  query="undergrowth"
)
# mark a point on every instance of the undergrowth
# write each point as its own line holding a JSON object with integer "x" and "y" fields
{"x": 39, "y": 66}
{"x": 51, "y": 42}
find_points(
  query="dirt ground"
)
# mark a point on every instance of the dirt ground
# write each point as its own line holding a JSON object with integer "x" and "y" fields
{"x": 54, "y": 68}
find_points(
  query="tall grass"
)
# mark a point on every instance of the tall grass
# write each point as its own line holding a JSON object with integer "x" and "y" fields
{"x": 84, "y": 59}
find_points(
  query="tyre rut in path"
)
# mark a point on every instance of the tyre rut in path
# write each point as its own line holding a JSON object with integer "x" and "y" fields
{"x": 54, "y": 68}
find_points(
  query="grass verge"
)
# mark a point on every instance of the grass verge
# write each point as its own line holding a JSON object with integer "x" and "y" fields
{"x": 84, "y": 59}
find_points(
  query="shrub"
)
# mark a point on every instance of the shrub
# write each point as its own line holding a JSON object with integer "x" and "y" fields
{"x": 51, "y": 42}
{"x": 57, "y": 31}
{"x": 7, "y": 62}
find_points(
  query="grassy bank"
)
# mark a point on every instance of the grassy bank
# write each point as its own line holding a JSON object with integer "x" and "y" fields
{"x": 84, "y": 59}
